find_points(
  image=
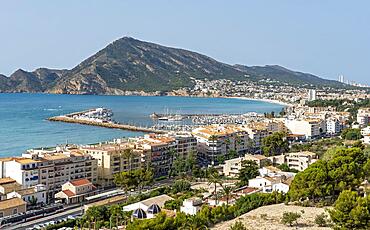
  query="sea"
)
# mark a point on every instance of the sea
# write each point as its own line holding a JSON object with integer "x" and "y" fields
{"x": 23, "y": 123}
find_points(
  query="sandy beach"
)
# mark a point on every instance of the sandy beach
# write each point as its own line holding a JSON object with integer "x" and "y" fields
{"x": 264, "y": 100}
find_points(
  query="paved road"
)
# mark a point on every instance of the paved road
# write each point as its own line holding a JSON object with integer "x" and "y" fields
{"x": 46, "y": 219}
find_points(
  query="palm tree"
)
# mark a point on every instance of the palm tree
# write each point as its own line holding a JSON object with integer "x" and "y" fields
{"x": 193, "y": 223}
{"x": 214, "y": 178}
{"x": 227, "y": 191}
{"x": 115, "y": 212}
{"x": 172, "y": 154}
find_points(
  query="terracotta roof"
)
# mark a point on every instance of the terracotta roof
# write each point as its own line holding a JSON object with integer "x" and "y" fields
{"x": 6, "y": 180}
{"x": 69, "y": 193}
{"x": 26, "y": 191}
{"x": 247, "y": 190}
{"x": 80, "y": 182}
{"x": 11, "y": 203}
{"x": 25, "y": 160}
{"x": 273, "y": 168}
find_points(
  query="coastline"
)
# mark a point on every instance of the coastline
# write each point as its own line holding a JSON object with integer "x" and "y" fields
{"x": 264, "y": 100}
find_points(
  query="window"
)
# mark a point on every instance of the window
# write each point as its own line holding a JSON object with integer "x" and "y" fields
{"x": 1, "y": 214}
{"x": 15, "y": 211}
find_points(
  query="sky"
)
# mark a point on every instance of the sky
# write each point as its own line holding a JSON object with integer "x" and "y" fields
{"x": 323, "y": 37}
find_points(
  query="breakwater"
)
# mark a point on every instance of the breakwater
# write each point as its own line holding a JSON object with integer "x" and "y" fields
{"x": 110, "y": 125}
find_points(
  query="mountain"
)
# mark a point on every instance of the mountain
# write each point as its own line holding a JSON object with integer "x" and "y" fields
{"x": 128, "y": 64}
{"x": 284, "y": 75}
{"x": 37, "y": 81}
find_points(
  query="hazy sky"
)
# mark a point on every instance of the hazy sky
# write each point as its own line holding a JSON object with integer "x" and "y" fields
{"x": 323, "y": 37}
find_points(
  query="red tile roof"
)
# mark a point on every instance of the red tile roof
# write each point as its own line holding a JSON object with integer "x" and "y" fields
{"x": 80, "y": 182}
{"x": 69, "y": 193}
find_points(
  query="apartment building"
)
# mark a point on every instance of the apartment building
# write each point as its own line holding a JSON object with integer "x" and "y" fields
{"x": 232, "y": 167}
{"x": 59, "y": 165}
{"x": 113, "y": 158}
{"x": 311, "y": 128}
{"x": 298, "y": 160}
{"x": 333, "y": 126}
{"x": 363, "y": 116}
{"x": 23, "y": 170}
{"x": 159, "y": 154}
{"x": 216, "y": 141}
{"x": 256, "y": 135}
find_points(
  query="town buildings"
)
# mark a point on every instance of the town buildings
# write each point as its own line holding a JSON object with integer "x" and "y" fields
{"x": 311, "y": 95}
{"x": 299, "y": 160}
{"x": 33, "y": 195}
{"x": 59, "y": 165}
{"x": 216, "y": 141}
{"x": 311, "y": 128}
{"x": 75, "y": 191}
{"x": 12, "y": 206}
{"x": 363, "y": 116}
{"x": 113, "y": 158}
{"x": 232, "y": 167}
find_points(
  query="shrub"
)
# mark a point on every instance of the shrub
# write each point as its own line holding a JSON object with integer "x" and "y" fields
{"x": 173, "y": 204}
{"x": 181, "y": 186}
{"x": 238, "y": 226}
{"x": 289, "y": 218}
{"x": 321, "y": 220}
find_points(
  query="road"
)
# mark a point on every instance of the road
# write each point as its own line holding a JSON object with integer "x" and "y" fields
{"x": 46, "y": 219}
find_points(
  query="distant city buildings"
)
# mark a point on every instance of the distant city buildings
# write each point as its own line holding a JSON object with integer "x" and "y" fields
{"x": 341, "y": 78}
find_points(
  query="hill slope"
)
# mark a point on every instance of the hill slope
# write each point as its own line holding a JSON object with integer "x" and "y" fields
{"x": 284, "y": 75}
{"x": 128, "y": 64}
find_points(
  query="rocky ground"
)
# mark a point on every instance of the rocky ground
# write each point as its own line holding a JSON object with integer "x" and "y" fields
{"x": 269, "y": 218}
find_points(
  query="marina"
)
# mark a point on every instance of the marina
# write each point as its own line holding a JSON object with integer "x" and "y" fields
{"x": 101, "y": 117}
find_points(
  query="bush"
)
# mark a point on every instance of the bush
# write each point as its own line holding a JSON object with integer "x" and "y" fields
{"x": 322, "y": 220}
{"x": 289, "y": 218}
{"x": 238, "y": 226}
{"x": 181, "y": 186}
{"x": 68, "y": 223}
{"x": 173, "y": 204}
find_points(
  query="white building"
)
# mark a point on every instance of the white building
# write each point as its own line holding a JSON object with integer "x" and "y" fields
{"x": 34, "y": 195}
{"x": 333, "y": 126}
{"x": 365, "y": 131}
{"x": 280, "y": 187}
{"x": 24, "y": 171}
{"x": 363, "y": 116}
{"x": 366, "y": 139}
{"x": 311, "y": 128}
{"x": 311, "y": 95}
{"x": 191, "y": 206}
{"x": 232, "y": 167}
{"x": 263, "y": 183}
{"x": 300, "y": 160}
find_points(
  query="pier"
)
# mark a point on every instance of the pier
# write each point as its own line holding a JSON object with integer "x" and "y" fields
{"x": 102, "y": 118}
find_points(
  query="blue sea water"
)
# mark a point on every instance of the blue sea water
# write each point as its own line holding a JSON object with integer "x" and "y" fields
{"x": 23, "y": 123}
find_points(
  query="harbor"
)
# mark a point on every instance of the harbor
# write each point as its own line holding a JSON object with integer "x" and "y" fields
{"x": 100, "y": 117}
{"x": 163, "y": 123}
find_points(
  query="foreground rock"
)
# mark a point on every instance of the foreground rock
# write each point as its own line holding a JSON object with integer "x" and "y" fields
{"x": 269, "y": 218}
